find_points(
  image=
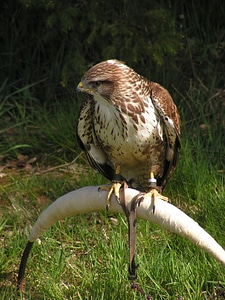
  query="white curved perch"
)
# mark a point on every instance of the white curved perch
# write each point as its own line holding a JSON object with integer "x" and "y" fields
{"x": 88, "y": 199}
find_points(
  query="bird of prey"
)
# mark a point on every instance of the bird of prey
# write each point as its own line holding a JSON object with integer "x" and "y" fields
{"x": 129, "y": 128}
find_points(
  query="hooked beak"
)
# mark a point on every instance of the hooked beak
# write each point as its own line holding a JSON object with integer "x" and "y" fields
{"x": 80, "y": 87}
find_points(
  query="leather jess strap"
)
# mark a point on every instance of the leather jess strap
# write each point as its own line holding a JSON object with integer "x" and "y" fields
{"x": 131, "y": 219}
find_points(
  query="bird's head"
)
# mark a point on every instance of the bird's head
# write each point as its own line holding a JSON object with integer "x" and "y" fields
{"x": 104, "y": 78}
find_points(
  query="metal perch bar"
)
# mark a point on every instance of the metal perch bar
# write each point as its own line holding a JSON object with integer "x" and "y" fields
{"x": 91, "y": 198}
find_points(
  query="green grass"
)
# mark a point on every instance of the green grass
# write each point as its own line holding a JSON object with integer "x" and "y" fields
{"x": 85, "y": 257}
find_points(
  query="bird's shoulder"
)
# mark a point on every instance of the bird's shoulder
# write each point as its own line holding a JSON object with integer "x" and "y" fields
{"x": 165, "y": 106}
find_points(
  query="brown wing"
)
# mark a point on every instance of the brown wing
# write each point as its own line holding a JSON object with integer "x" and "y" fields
{"x": 167, "y": 110}
{"x": 88, "y": 142}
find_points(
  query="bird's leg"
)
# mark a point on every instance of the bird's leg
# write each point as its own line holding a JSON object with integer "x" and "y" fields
{"x": 154, "y": 191}
{"x": 116, "y": 185}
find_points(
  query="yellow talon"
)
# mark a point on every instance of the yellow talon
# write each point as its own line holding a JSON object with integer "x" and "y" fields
{"x": 115, "y": 188}
{"x": 153, "y": 193}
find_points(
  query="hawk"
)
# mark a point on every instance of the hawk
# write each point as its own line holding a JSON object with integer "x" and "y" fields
{"x": 129, "y": 127}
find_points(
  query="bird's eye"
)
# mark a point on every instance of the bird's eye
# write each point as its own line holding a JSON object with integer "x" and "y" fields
{"x": 96, "y": 84}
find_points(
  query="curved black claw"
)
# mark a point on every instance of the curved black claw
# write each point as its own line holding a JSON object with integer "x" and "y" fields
{"x": 117, "y": 199}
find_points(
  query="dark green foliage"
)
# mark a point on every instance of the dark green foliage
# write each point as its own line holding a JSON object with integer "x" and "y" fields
{"x": 58, "y": 40}
{"x": 203, "y": 27}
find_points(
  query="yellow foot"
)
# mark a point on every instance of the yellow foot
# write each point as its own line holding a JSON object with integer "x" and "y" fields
{"x": 154, "y": 194}
{"x": 115, "y": 188}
